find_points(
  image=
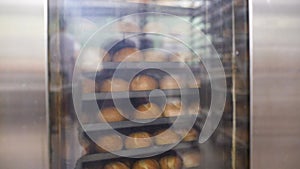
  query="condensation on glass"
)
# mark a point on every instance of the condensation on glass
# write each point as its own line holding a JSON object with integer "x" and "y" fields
{"x": 131, "y": 83}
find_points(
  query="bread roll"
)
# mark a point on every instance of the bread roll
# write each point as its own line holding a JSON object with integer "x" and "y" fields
{"x": 85, "y": 151}
{"x": 110, "y": 114}
{"x": 146, "y": 164}
{"x": 177, "y": 57}
{"x": 188, "y": 135}
{"x": 89, "y": 86}
{"x": 147, "y": 111}
{"x": 138, "y": 140}
{"x": 154, "y": 56}
{"x": 173, "y": 109}
{"x": 155, "y": 27}
{"x": 191, "y": 159}
{"x": 128, "y": 55}
{"x": 125, "y": 26}
{"x": 116, "y": 165}
{"x": 195, "y": 83}
{"x": 85, "y": 144}
{"x": 192, "y": 135}
{"x": 108, "y": 143}
{"x": 164, "y": 137}
{"x": 143, "y": 82}
{"x": 126, "y": 161}
{"x": 114, "y": 85}
{"x": 170, "y": 162}
{"x": 91, "y": 58}
{"x": 169, "y": 82}
{"x": 194, "y": 108}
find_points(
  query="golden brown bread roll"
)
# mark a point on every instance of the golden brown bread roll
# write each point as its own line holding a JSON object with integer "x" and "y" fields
{"x": 173, "y": 109}
{"x": 108, "y": 143}
{"x": 154, "y": 56}
{"x": 194, "y": 108}
{"x": 192, "y": 135}
{"x": 146, "y": 164}
{"x": 164, "y": 137}
{"x": 147, "y": 111}
{"x": 89, "y": 86}
{"x": 125, "y": 26}
{"x": 87, "y": 146}
{"x": 114, "y": 85}
{"x": 116, "y": 165}
{"x": 143, "y": 82}
{"x": 188, "y": 135}
{"x": 126, "y": 161}
{"x": 138, "y": 140}
{"x": 195, "y": 83}
{"x": 177, "y": 57}
{"x": 169, "y": 82}
{"x": 91, "y": 57}
{"x": 170, "y": 162}
{"x": 128, "y": 55}
{"x": 191, "y": 159}
{"x": 110, "y": 114}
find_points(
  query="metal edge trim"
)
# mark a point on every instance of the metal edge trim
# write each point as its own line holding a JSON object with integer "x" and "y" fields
{"x": 47, "y": 151}
{"x": 250, "y": 16}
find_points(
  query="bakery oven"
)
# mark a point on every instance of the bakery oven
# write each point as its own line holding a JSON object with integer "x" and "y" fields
{"x": 148, "y": 84}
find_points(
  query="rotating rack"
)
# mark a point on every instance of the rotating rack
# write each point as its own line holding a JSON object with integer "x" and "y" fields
{"x": 215, "y": 19}
{"x": 124, "y": 125}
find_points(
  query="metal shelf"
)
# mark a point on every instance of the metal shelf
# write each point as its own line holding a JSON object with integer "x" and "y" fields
{"x": 142, "y": 123}
{"x": 131, "y": 153}
{"x": 143, "y": 65}
{"x": 98, "y": 8}
{"x": 138, "y": 94}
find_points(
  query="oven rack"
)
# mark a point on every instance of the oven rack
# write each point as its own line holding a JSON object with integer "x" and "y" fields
{"x": 133, "y": 153}
{"x": 97, "y": 8}
{"x": 96, "y": 127}
{"x": 138, "y": 94}
{"x": 153, "y": 65}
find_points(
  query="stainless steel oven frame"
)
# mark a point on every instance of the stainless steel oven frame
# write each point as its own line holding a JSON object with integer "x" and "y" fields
{"x": 274, "y": 84}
